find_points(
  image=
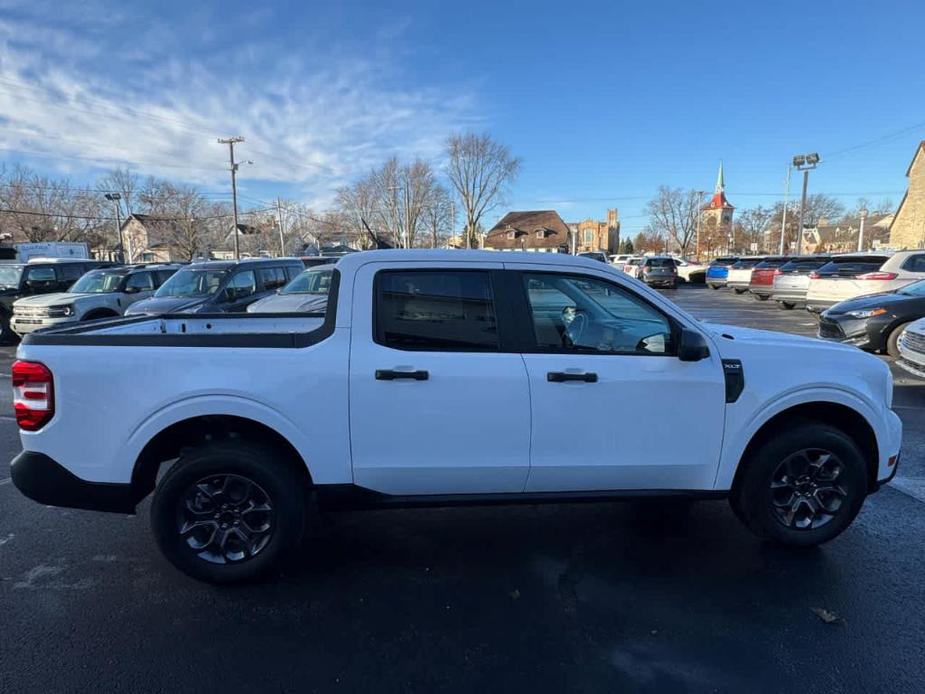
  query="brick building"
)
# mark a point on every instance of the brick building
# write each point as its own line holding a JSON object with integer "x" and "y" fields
{"x": 908, "y": 227}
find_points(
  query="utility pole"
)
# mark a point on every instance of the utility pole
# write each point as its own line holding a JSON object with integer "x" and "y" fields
{"x": 279, "y": 221}
{"x": 400, "y": 235}
{"x": 783, "y": 222}
{"x": 231, "y": 142}
{"x": 862, "y": 213}
{"x": 804, "y": 163}
{"x": 116, "y": 197}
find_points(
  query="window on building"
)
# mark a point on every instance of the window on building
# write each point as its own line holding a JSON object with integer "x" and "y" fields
{"x": 435, "y": 311}
{"x": 512, "y": 234}
{"x": 589, "y": 237}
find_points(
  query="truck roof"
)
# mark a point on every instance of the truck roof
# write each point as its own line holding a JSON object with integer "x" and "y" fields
{"x": 352, "y": 261}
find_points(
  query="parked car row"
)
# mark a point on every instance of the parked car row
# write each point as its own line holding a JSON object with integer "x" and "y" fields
{"x": 48, "y": 293}
{"x": 870, "y": 300}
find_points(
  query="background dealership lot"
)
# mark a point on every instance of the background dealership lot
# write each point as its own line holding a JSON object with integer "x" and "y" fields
{"x": 575, "y": 597}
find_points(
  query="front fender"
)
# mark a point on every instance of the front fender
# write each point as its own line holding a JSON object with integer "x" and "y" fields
{"x": 741, "y": 429}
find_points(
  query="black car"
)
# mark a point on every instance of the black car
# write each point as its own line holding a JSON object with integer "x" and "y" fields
{"x": 219, "y": 286}
{"x": 874, "y": 322}
{"x": 18, "y": 280}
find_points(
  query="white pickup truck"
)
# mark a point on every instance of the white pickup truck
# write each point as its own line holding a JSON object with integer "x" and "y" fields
{"x": 445, "y": 377}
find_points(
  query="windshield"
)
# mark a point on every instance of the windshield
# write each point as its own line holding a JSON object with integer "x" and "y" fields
{"x": 660, "y": 262}
{"x": 9, "y": 275}
{"x": 192, "y": 282}
{"x": 849, "y": 266}
{"x": 771, "y": 262}
{"x": 98, "y": 282}
{"x": 315, "y": 281}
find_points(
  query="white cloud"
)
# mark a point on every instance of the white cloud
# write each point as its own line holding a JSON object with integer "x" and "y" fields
{"x": 314, "y": 126}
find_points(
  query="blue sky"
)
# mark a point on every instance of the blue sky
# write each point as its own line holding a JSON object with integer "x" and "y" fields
{"x": 604, "y": 101}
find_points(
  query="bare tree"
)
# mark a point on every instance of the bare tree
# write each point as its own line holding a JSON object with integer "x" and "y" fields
{"x": 439, "y": 215}
{"x": 126, "y": 184}
{"x": 481, "y": 171}
{"x": 753, "y": 225}
{"x": 673, "y": 213}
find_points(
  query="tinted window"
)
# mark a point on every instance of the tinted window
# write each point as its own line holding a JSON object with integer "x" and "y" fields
{"x": 572, "y": 313}
{"x": 435, "y": 311}
{"x": 803, "y": 266}
{"x": 850, "y": 266}
{"x": 41, "y": 274}
{"x": 71, "y": 271}
{"x": 241, "y": 285}
{"x": 660, "y": 262}
{"x": 142, "y": 281}
{"x": 722, "y": 262}
{"x": 272, "y": 277}
{"x": 745, "y": 263}
{"x": 771, "y": 262}
{"x": 915, "y": 263}
{"x": 162, "y": 276}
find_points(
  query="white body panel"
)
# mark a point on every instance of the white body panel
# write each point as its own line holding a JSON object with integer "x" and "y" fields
{"x": 482, "y": 423}
{"x": 739, "y": 277}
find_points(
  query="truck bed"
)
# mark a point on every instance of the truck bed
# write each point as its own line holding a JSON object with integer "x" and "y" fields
{"x": 214, "y": 330}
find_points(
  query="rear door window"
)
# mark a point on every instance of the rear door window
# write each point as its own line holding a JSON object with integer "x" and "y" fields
{"x": 435, "y": 311}
{"x": 41, "y": 274}
{"x": 142, "y": 281}
{"x": 915, "y": 263}
{"x": 242, "y": 284}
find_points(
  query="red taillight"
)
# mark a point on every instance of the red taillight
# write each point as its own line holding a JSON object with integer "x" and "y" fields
{"x": 878, "y": 276}
{"x": 778, "y": 271}
{"x": 33, "y": 394}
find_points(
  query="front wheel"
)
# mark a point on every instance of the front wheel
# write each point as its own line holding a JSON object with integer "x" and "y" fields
{"x": 762, "y": 297}
{"x": 801, "y": 487}
{"x": 892, "y": 342}
{"x": 739, "y": 291}
{"x": 228, "y": 512}
{"x": 786, "y": 305}
{"x": 714, "y": 286}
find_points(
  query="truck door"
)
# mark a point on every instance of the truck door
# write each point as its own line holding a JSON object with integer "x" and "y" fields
{"x": 436, "y": 405}
{"x": 613, "y": 408}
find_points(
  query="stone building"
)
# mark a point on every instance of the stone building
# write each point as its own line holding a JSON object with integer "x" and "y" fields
{"x": 592, "y": 235}
{"x": 908, "y": 228}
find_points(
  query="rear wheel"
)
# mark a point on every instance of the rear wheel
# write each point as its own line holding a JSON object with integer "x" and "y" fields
{"x": 892, "y": 342}
{"x": 229, "y": 512}
{"x": 787, "y": 305}
{"x": 714, "y": 286}
{"x": 762, "y": 297}
{"x": 802, "y": 487}
{"x": 738, "y": 290}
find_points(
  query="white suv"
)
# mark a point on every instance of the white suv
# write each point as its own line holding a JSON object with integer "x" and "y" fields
{"x": 98, "y": 294}
{"x": 857, "y": 274}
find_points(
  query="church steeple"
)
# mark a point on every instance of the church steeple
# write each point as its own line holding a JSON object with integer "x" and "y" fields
{"x": 719, "y": 201}
{"x": 720, "y": 181}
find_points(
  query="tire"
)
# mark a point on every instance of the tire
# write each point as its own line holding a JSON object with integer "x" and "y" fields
{"x": 714, "y": 286}
{"x": 737, "y": 290}
{"x": 786, "y": 460}
{"x": 7, "y": 336}
{"x": 762, "y": 297}
{"x": 786, "y": 305}
{"x": 892, "y": 342}
{"x": 222, "y": 487}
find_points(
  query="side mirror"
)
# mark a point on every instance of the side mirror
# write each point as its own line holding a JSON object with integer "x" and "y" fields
{"x": 693, "y": 346}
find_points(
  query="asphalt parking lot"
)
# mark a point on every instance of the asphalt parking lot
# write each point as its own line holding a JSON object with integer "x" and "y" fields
{"x": 580, "y": 597}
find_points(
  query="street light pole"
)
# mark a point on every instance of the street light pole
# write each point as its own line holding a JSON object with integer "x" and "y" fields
{"x": 804, "y": 163}
{"x": 783, "y": 222}
{"x": 279, "y": 221}
{"x": 116, "y": 197}
{"x": 231, "y": 142}
{"x": 862, "y": 213}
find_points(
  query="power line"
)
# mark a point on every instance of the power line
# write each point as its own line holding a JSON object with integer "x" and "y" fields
{"x": 148, "y": 217}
